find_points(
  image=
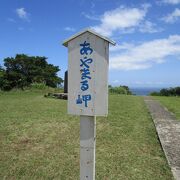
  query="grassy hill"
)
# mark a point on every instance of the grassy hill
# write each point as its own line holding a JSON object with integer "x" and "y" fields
{"x": 38, "y": 140}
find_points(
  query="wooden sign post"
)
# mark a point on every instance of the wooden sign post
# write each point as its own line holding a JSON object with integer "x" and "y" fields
{"x": 88, "y": 61}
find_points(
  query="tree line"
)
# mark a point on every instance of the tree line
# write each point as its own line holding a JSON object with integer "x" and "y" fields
{"x": 120, "y": 90}
{"x": 23, "y": 70}
{"x": 167, "y": 92}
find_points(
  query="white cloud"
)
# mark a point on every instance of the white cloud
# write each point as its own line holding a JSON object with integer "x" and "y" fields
{"x": 171, "y": 1}
{"x": 149, "y": 27}
{"x": 22, "y": 14}
{"x": 116, "y": 81}
{"x": 145, "y": 55}
{"x": 91, "y": 17}
{"x": 174, "y": 16}
{"x": 121, "y": 19}
{"x": 125, "y": 20}
{"x": 123, "y": 46}
{"x": 69, "y": 29}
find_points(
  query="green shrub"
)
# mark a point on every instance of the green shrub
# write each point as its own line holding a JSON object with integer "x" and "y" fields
{"x": 22, "y": 70}
{"x": 40, "y": 86}
{"x": 154, "y": 94}
{"x": 119, "y": 90}
{"x": 167, "y": 92}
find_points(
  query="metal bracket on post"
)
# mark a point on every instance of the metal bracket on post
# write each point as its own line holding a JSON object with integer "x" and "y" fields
{"x": 87, "y": 147}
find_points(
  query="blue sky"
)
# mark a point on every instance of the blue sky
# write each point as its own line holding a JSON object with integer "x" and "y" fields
{"x": 147, "y": 34}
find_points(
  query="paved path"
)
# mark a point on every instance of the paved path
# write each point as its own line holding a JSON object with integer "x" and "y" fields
{"x": 168, "y": 129}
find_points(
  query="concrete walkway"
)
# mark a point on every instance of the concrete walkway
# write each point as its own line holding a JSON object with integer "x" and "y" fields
{"x": 168, "y": 129}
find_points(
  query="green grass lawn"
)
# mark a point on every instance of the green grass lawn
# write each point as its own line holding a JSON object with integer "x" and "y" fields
{"x": 38, "y": 140}
{"x": 171, "y": 103}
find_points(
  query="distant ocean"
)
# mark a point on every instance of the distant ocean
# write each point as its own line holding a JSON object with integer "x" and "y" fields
{"x": 140, "y": 91}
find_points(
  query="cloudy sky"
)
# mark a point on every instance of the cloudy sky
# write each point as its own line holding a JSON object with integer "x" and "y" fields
{"x": 147, "y": 34}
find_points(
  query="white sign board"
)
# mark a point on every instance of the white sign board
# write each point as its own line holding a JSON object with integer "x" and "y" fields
{"x": 88, "y": 60}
